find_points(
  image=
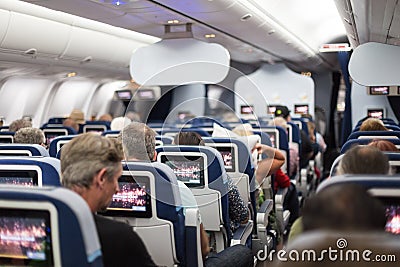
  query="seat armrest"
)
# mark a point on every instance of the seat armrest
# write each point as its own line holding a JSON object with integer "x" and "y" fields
{"x": 241, "y": 235}
{"x": 280, "y": 195}
{"x": 192, "y": 237}
{"x": 264, "y": 211}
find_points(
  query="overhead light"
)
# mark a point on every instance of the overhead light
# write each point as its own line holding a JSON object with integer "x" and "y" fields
{"x": 211, "y": 35}
{"x": 173, "y": 21}
{"x": 71, "y": 74}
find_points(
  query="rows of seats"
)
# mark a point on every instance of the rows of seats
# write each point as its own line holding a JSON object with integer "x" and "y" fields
{"x": 243, "y": 175}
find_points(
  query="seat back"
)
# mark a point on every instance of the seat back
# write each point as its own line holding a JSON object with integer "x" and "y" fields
{"x": 155, "y": 212}
{"x": 164, "y": 140}
{"x": 6, "y": 137}
{"x": 23, "y": 150}
{"x": 238, "y": 164}
{"x": 65, "y": 233}
{"x": 173, "y": 131}
{"x": 95, "y": 126}
{"x": 279, "y": 140}
{"x": 51, "y": 132}
{"x": 40, "y": 171}
{"x": 375, "y": 134}
{"x": 364, "y": 141}
{"x": 110, "y": 133}
{"x": 202, "y": 169}
{"x": 57, "y": 143}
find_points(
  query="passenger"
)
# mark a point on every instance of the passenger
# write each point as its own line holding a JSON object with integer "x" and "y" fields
{"x": 105, "y": 117}
{"x": 71, "y": 123}
{"x": 78, "y": 116}
{"x": 363, "y": 160}
{"x": 281, "y": 179}
{"x": 343, "y": 207}
{"x": 18, "y": 124}
{"x": 133, "y": 116}
{"x": 118, "y": 123}
{"x": 30, "y": 135}
{"x": 91, "y": 166}
{"x": 138, "y": 141}
{"x": 386, "y": 146}
{"x": 307, "y": 149}
{"x": 373, "y": 124}
{"x": 341, "y": 212}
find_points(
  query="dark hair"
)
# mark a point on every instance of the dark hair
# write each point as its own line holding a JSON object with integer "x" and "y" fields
{"x": 364, "y": 160}
{"x": 343, "y": 207}
{"x": 188, "y": 138}
{"x": 384, "y": 145}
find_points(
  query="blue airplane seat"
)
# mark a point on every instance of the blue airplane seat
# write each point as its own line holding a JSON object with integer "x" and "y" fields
{"x": 23, "y": 150}
{"x": 172, "y": 132}
{"x": 47, "y": 169}
{"x": 209, "y": 184}
{"x": 163, "y": 208}
{"x": 95, "y": 126}
{"x": 110, "y": 133}
{"x": 364, "y": 141}
{"x": 164, "y": 140}
{"x": 6, "y": 137}
{"x": 375, "y": 134}
{"x": 57, "y": 143}
{"x": 68, "y": 235}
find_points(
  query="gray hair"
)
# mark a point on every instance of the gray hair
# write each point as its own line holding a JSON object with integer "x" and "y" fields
{"x": 18, "y": 124}
{"x": 29, "y": 135}
{"x": 138, "y": 141}
{"x": 85, "y": 155}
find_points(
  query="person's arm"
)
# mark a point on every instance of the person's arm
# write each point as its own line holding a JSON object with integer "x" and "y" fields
{"x": 269, "y": 165}
{"x": 205, "y": 247}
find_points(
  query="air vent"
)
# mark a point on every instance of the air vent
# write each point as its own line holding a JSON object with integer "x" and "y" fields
{"x": 31, "y": 51}
{"x": 246, "y": 17}
{"x": 87, "y": 59}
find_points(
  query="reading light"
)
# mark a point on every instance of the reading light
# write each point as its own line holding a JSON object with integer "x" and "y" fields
{"x": 271, "y": 32}
{"x": 71, "y": 74}
{"x": 173, "y": 21}
{"x": 210, "y": 35}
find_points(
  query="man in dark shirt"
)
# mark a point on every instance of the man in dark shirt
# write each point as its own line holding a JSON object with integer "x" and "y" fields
{"x": 91, "y": 166}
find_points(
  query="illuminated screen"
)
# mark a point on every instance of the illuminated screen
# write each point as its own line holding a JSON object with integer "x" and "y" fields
{"x": 144, "y": 94}
{"x": 188, "y": 169}
{"x": 272, "y": 136}
{"x": 19, "y": 177}
{"x": 25, "y": 238}
{"x": 124, "y": 94}
{"x": 227, "y": 154}
{"x": 246, "y": 109}
{"x": 50, "y": 135}
{"x": 301, "y": 109}
{"x": 6, "y": 139}
{"x": 133, "y": 198}
{"x": 379, "y": 90}
{"x": 375, "y": 113}
{"x": 392, "y": 211}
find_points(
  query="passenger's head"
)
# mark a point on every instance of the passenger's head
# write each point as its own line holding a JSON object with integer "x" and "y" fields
{"x": 363, "y": 160}
{"x": 138, "y": 141}
{"x": 78, "y": 116}
{"x": 281, "y": 122}
{"x": 384, "y": 145}
{"x": 29, "y": 135}
{"x": 18, "y": 124}
{"x": 71, "y": 123}
{"x": 343, "y": 207}
{"x": 244, "y": 129}
{"x": 283, "y": 111}
{"x": 105, "y": 117}
{"x": 373, "y": 124}
{"x": 91, "y": 166}
{"x": 188, "y": 138}
{"x": 118, "y": 123}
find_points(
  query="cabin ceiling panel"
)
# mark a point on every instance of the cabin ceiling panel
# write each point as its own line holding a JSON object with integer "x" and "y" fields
{"x": 394, "y": 31}
{"x": 196, "y": 6}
